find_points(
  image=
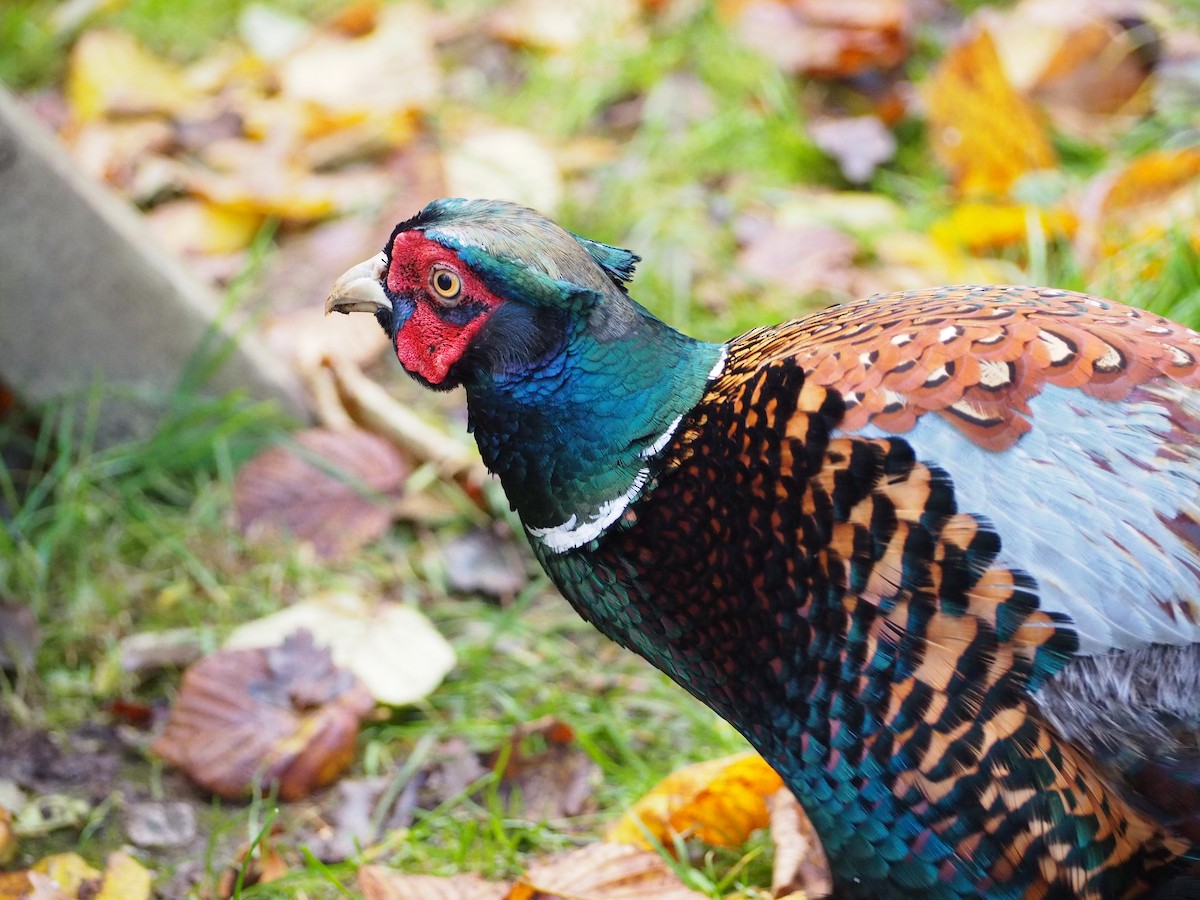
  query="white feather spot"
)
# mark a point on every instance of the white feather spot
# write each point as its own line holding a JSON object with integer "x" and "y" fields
{"x": 719, "y": 366}
{"x": 1110, "y": 360}
{"x": 949, "y": 333}
{"x": 901, "y": 339}
{"x": 1059, "y": 349}
{"x": 662, "y": 440}
{"x": 573, "y": 534}
{"x": 994, "y": 374}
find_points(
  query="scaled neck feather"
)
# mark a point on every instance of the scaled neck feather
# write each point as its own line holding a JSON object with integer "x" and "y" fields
{"x": 575, "y": 437}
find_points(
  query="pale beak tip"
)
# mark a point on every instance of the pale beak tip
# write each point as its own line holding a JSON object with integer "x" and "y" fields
{"x": 360, "y": 289}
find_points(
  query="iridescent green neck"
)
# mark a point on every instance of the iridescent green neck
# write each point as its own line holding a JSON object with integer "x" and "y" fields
{"x": 574, "y": 438}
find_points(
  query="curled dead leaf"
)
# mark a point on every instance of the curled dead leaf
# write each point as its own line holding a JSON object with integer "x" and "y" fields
{"x": 719, "y": 802}
{"x": 333, "y": 488}
{"x": 554, "y": 783}
{"x": 393, "y": 650}
{"x": 284, "y": 715}
{"x": 800, "y": 865}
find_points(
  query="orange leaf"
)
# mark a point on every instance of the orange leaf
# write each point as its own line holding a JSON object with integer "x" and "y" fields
{"x": 982, "y": 130}
{"x": 720, "y": 802}
{"x": 1151, "y": 177}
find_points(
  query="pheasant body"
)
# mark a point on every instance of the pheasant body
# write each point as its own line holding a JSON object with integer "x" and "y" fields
{"x": 830, "y": 532}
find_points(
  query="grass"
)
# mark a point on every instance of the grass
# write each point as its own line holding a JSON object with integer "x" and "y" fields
{"x": 102, "y": 542}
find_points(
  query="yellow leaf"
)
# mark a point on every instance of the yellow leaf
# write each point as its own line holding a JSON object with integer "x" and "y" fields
{"x": 199, "y": 227}
{"x": 110, "y": 73}
{"x": 68, "y": 870}
{"x": 989, "y": 226}
{"x": 124, "y": 879}
{"x": 982, "y": 130}
{"x": 720, "y": 802}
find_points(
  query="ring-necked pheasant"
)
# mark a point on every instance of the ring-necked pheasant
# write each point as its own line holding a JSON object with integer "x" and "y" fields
{"x": 936, "y": 555}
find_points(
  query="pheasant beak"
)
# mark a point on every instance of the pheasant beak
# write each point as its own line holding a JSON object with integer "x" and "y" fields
{"x": 360, "y": 289}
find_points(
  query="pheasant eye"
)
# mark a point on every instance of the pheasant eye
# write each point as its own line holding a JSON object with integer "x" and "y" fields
{"x": 446, "y": 285}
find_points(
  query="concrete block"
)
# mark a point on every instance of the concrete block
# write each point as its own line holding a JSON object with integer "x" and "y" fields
{"x": 86, "y": 294}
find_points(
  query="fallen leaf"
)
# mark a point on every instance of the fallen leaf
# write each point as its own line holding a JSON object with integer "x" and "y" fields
{"x": 153, "y": 823}
{"x": 380, "y": 883}
{"x": 603, "y": 872}
{"x": 504, "y": 164}
{"x": 390, "y": 71}
{"x": 124, "y": 879}
{"x": 371, "y": 406}
{"x": 8, "y": 837}
{"x": 192, "y": 227}
{"x": 171, "y": 648}
{"x": 858, "y": 144}
{"x": 1140, "y": 202}
{"x": 555, "y": 783}
{"x": 282, "y": 715}
{"x": 984, "y": 132}
{"x": 563, "y": 27}
{"x": 259, "y": 863}
{"x": 981, "y": 226}
{"x": 803, "y": 259}
{"x": 719, "y": 802}
{"x": 109, "y": 73}
{"x": 800, "y": 865}
{"x": 479, "y": 561}
{"x": 391, "y": 648}
{"x": 1102, "y": 67}
{"x": 332, "y": 488}
{"x": 70, "y": 872}
{"x": 824, "y": 38}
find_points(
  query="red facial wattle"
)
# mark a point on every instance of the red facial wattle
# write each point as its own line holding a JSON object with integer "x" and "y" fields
{"x": 434, "y": 336}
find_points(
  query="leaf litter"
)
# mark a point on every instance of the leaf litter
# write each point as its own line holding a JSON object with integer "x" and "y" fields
{"x": 328, "y": 129}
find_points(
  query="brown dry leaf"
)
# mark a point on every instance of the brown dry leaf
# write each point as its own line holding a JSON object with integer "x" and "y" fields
{"x": 602, "y": 872}
{"x": 980, "y": 227}
{"x": 1102, "y": 67}
{"x": 1150, "y": 179}
{"x": 15, "y": 885}
{"x": 381, "y": 883}
{"x": 263, "y": 863}
{"x": 720, "y": 802}
{"x": 983, "y": 131}
{"x": 331, "y": 488}
{"x": 254, "y": 717}
{"x": 824, "y": 38}
{"x": 370, "y": 405}
{"x": 505, "y": 164}
{"x": 557, "y": 782}
{"x": 388, "y": 74}
{"x": 800, "y": 864}
{"x": 393, "y": 649}
{"x": 109, "y": 73}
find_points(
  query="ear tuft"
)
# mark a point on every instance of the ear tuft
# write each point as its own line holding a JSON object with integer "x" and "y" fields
{"x": 618, "y": 264}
